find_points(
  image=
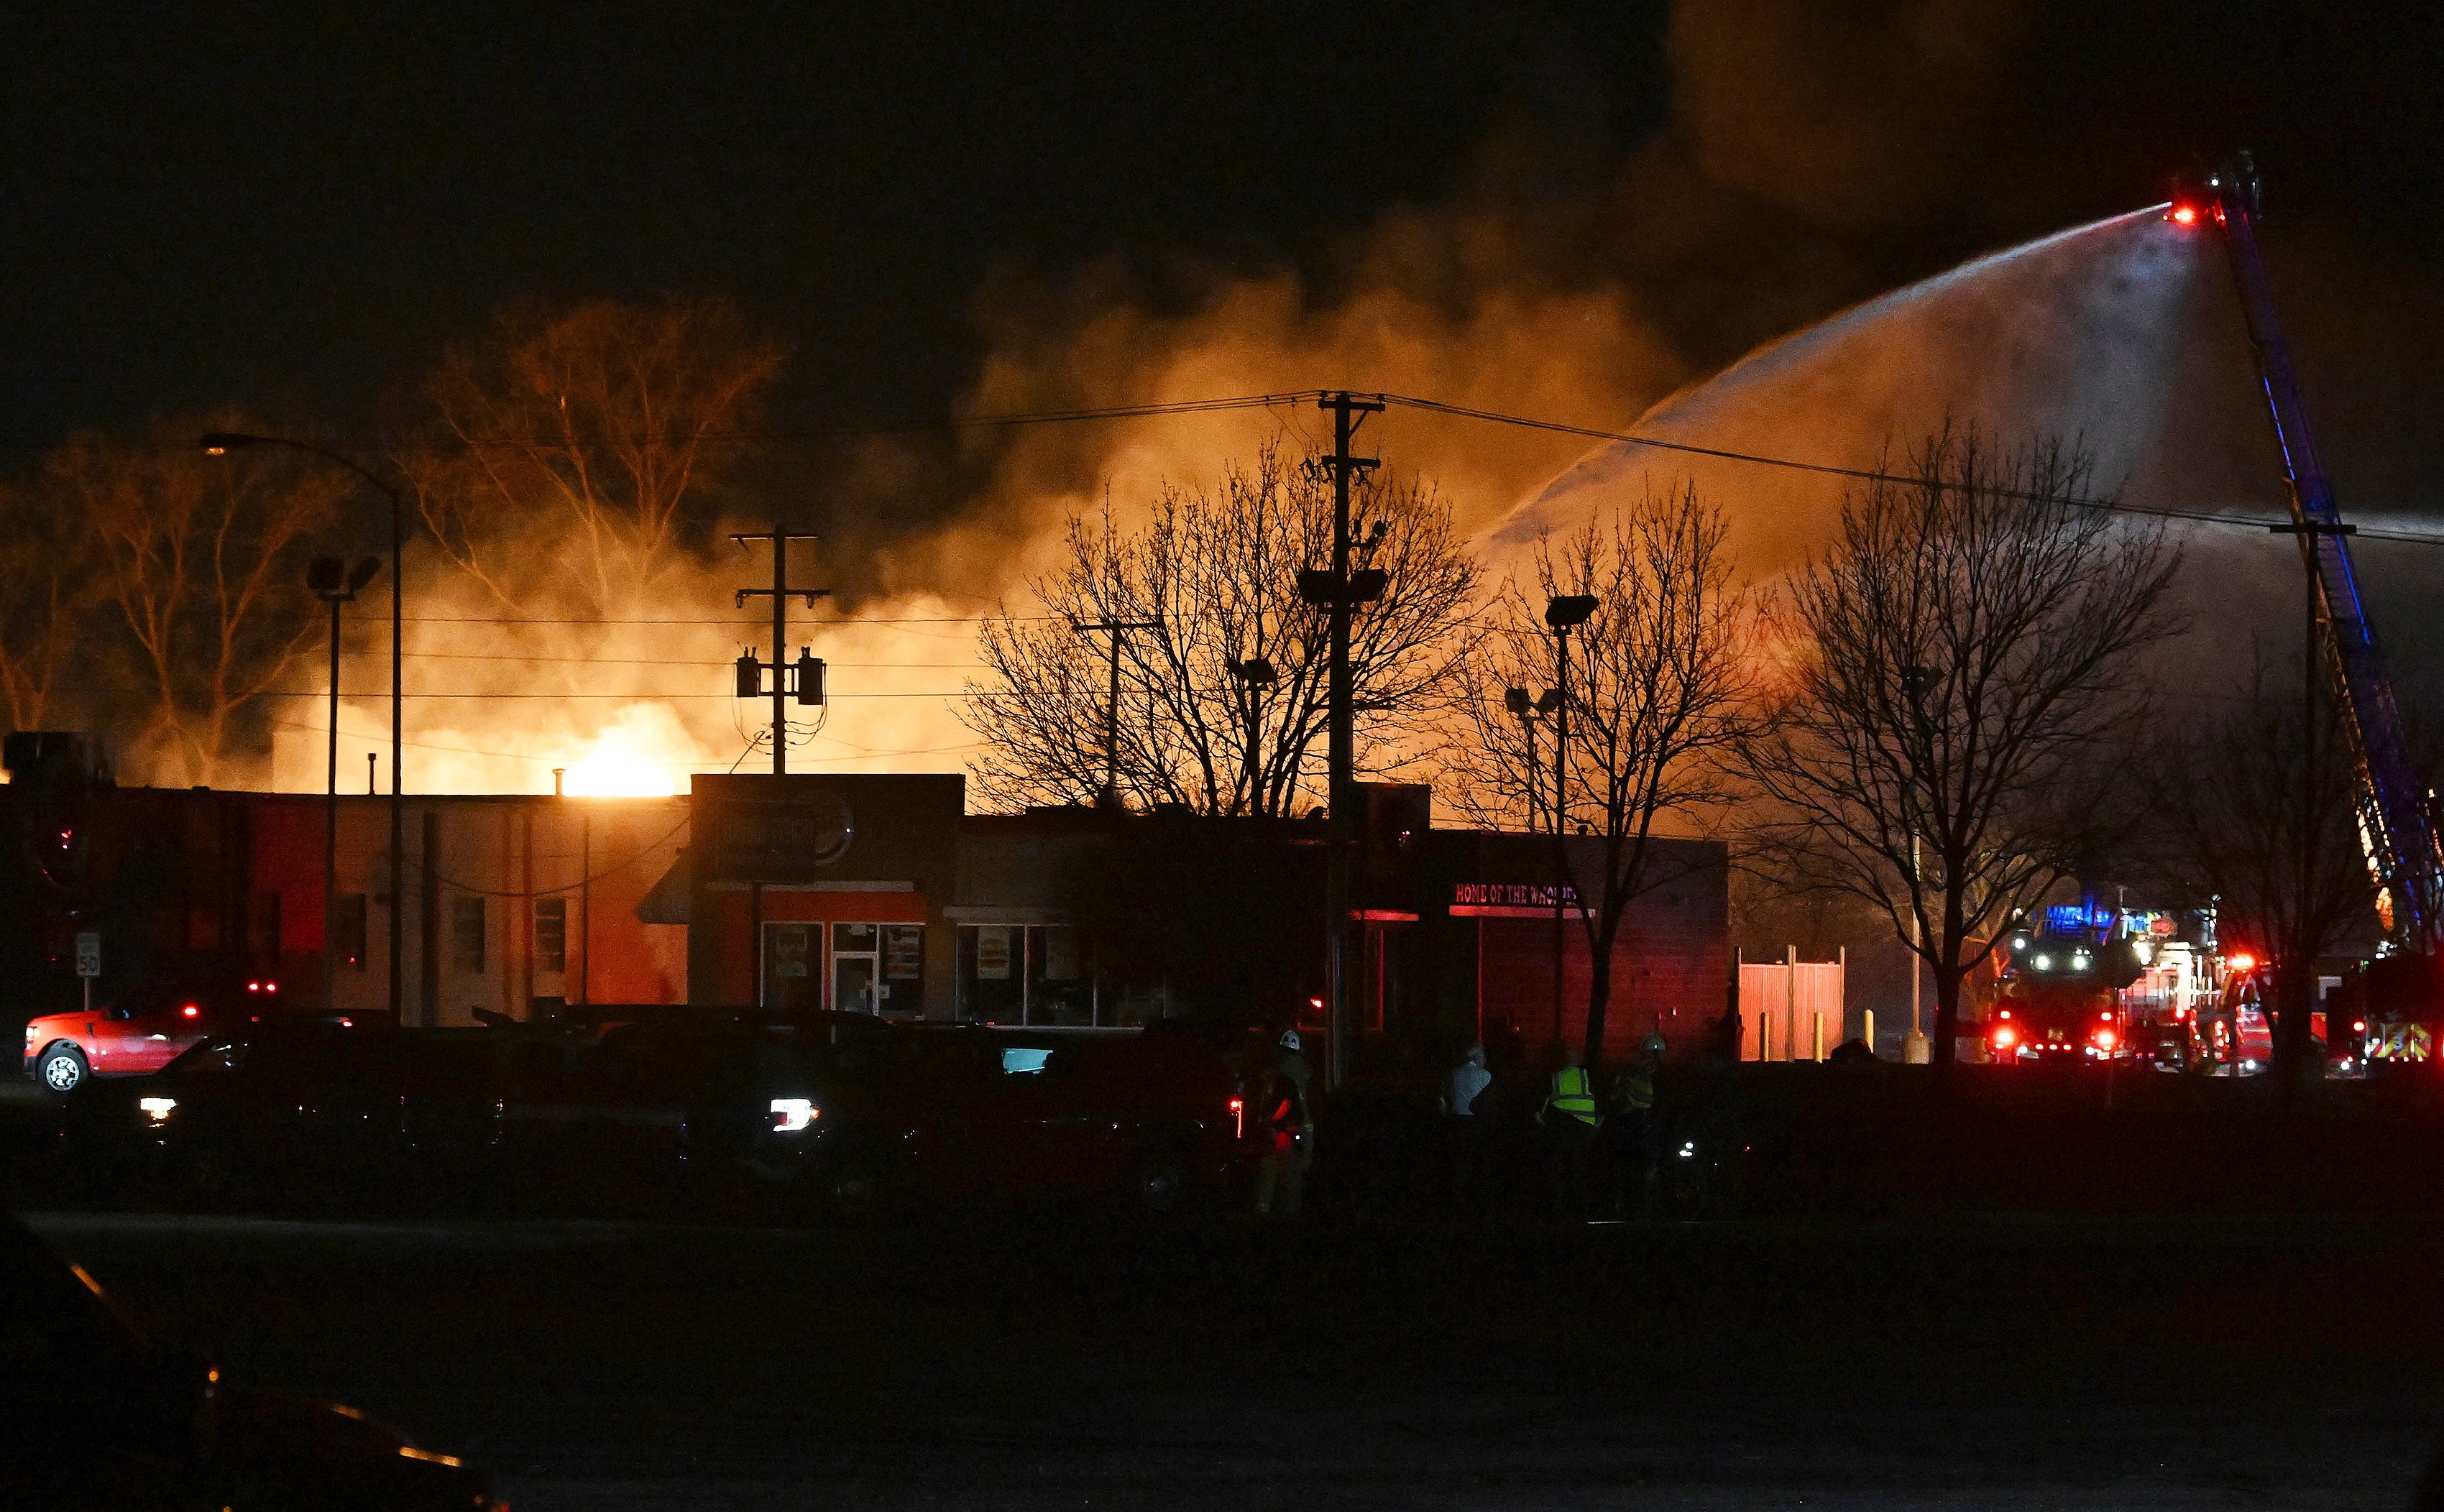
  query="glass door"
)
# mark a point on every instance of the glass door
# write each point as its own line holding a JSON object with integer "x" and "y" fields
{"x": 857, "y": 967}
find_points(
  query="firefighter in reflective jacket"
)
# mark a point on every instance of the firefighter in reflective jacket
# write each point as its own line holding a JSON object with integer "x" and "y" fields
{"x": 1571, "y": 1094}
{"x": 1632, "y": 1137}
{"x": 1569, "y": 1120}
{"x": 1288, "y": 1131}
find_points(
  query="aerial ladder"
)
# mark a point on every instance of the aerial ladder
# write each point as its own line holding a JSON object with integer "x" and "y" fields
{"x": 2399, "y": 831}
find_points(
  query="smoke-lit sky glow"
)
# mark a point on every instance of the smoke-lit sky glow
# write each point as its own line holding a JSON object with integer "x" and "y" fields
{"x": 1565, "y": 212}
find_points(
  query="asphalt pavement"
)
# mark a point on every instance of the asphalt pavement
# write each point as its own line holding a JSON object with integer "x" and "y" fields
{"x": 1991, "y": 1362}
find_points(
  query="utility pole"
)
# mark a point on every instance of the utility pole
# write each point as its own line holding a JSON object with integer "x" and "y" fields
{"x": 809, "y": 679}
{"x": 1341, "y": 591}
{"x": 1110, "y": 796}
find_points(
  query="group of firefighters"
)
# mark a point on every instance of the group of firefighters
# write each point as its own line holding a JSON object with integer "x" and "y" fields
{"x": 1603, "y": 1153}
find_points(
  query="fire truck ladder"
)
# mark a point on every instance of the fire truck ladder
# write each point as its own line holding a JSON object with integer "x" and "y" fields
{"x": 2398, "y": 828}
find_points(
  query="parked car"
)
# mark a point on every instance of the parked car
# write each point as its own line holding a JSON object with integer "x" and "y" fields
{"x": 97, "y": 1416}
{"x": 141, "y": 1029}
{"x": 969, "y": 1115}
{"x": 286, "y": 1109}
{"x": 666, "y": 1110}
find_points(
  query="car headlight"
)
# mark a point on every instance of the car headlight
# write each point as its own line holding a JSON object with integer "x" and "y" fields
{"x": 794, "y": 1115}
{"x": 157, "y": 1109}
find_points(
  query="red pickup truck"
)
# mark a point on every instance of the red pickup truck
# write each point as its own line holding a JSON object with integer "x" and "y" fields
{"x": 139, "y": 1030}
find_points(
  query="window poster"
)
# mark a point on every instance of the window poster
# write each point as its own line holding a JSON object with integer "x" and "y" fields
{"x": 992, "y": 953}
{"x": 789, "y": 950}
{"x": 1059, "y": 955}
{"x": 903, "y": 952}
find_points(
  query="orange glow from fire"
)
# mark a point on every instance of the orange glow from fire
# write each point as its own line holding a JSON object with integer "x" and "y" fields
{"x": 615, "y": 769}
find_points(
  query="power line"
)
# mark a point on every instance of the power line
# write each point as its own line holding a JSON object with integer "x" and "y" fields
{"x": 732, "y": 620}
{"x": 1301, "y": 397}
{"x": 1861, "y": 474}
{"x": 654, "y": 662}
{"x": 647, "y": 697}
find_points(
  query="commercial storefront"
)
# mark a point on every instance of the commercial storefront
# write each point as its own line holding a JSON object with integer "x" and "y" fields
{"x": 872, "y": 894}
{"x": 824, "y": 892}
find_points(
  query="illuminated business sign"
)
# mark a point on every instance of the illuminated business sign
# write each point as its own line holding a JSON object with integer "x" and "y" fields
{"x": 1511, "y": 896}
{"x": 785, "y": 841}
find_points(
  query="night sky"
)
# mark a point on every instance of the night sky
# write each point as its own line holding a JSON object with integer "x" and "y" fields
{"x": 296, "y": 207}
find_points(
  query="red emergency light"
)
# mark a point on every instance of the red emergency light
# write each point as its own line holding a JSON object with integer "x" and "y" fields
{"x": 2241, "y": 962}
{"x": 2183, "y": 216}
{"x": 189, "y": 1011}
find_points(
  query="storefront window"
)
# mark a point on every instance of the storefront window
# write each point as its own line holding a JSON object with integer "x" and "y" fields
{"x": 1059, "y": 990}
{"x": 794, "y": 956}
{"x": 903, "y": 969}
{"x": 992, "y": 973}
{"x": 1039, "y": 975}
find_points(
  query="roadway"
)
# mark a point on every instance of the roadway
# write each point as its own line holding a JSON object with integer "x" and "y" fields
{"x": 1989, "y": 1362}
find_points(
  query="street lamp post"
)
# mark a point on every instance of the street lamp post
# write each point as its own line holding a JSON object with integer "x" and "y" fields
{"x": 1255, "y": 677}
{"x": 221, "y": 443}
{"x": 1525, "y": 710}
{"x": 1563, "y": 613}
{"x": 335, "y": 582}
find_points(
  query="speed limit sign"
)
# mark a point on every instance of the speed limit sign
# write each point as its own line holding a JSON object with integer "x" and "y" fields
{"x": 90, "y": 954}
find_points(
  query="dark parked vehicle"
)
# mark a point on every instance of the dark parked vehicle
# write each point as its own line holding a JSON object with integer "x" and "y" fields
{"x": 667, "y": 1110}
{"x": 980, "y": 1116}
{"x": 93, "y": 1415}
{"x": 289, "y": 1111}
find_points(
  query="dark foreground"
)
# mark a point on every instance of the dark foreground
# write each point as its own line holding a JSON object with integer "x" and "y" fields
{"x": 1974, "y": 1362}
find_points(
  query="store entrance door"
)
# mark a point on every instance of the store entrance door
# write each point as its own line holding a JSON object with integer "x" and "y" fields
{"x": 857, "y": 967}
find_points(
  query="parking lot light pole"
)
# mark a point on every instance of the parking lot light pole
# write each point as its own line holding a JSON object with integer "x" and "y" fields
{"x": 335, "y": 583}
{"x": 1563, "y": 613}
{"x": 221, "y": 443}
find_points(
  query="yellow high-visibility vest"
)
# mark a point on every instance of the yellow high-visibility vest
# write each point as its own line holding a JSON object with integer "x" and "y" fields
{"x": 1572, "y": 1094}
{"x": 1635, "y": 1091}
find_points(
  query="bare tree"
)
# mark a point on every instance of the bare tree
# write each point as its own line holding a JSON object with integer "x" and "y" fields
{"x": 48, "y": 590}
{"x": 583, "y": 448}
{"x": 1964, "y": 674}
{"x": 1662, "y": 691}
{"x": 203, "y": 561}
{"x": 1222, "y": 695}
{"x": 2250, "y": 819}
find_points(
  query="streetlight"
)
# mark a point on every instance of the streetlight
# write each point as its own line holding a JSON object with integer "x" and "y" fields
{"x": 1524, "y": 710}
{"x": 1255, "y": 677}
{"x": 221, "y": 443}
{"x": 1564, "y": 613}
{"x": 1916, "y": 683}
{"x": 335, "y": 582}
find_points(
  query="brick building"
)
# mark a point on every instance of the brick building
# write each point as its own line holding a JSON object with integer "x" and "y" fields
{"x": 874, "y": 894}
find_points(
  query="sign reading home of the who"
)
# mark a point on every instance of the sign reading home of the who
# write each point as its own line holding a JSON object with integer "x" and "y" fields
{"x": 782, "y": 843}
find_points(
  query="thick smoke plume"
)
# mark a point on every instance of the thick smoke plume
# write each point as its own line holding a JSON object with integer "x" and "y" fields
{"x": 1815, "y": 155}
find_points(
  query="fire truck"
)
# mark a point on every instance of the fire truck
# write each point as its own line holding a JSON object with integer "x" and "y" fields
{"x": 2398, "y": 998}
{"x": 2088, "y": 982}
